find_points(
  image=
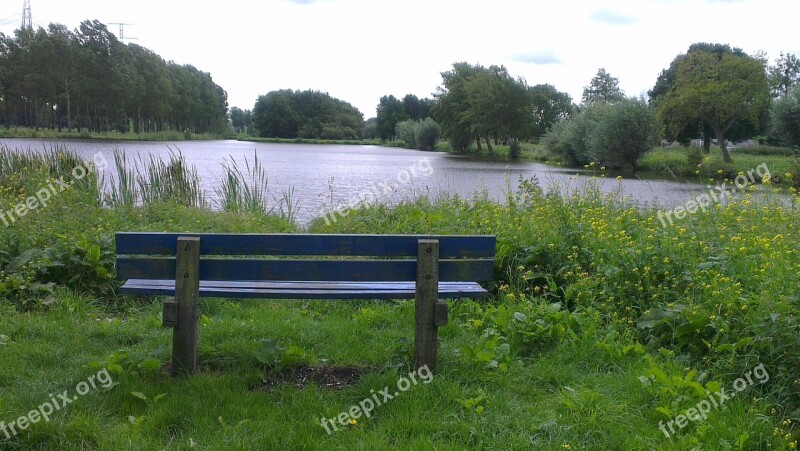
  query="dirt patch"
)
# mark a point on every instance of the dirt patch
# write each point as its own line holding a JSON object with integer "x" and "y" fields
{"x": 328, "y": 377}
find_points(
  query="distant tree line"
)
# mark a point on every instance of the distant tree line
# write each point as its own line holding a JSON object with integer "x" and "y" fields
{"x": 392, "y": 111}
{"x": 476, "y": 103}
{"x": 58, "y": 78}
{"x": 306, "y": 114}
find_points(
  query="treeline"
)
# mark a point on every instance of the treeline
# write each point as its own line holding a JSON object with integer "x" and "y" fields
{"x": 86, "y": 78}
{"x": 392, "y": 111}
{"x": 306, "y": 114}
{"x": 477, "y": 103}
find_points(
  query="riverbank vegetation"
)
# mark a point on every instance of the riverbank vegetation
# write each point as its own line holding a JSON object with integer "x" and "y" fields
{"x": 57, "y": 78}
{"x": 602, "y": 329}
{"x": 306, "y": 114}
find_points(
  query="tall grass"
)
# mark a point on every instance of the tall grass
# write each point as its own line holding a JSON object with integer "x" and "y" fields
{"x": 149, "y": 179}
{"x": 243, "y": 190}
{"x": 246, "y": 190}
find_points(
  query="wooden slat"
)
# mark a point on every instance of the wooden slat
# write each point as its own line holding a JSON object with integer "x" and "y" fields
{"x": 297, "y": 285}
{"x": 133, "y": 243}
{"x": 311, "y": 270}
{"x": 269, "y": 290}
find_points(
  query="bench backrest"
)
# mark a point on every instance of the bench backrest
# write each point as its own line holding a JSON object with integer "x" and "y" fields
{"x": 351, "y": 258}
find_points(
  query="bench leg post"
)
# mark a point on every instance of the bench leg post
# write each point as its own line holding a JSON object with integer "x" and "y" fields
{"x": 187, "y": 295}
{"x": 427, "y": 295}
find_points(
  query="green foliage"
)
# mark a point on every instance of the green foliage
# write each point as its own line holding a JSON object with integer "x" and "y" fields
{"x": 475, "y": 102}
{"x": 607, "y": 134}
{"x": 422, "y": 135}
{"x": 306, "y": 114}
{"x": 242, "y": 120}
{"x": 88, "y": 79}
{"x": 271, "y": 354}
{"x": 786, "y": 118}
{"x": 718, "y": 87}
{"x": 405, "y": 131}
{"x": 784, "y": 76}
{"x": 694, "y": 157}
{"x": 244, "y": 191}
{"x": 549, "y": 107}
{"x": 602, "y": 88}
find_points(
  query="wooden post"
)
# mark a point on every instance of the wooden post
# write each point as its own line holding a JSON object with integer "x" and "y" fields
{"x": 187, "y": 294}
{"x": 427, "y": 293}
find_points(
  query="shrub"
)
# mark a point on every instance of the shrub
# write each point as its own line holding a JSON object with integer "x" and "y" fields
{"x": 426, "y": 134}
{"x": 405, "y": 132}
{"x": 422, "y": 135}
{"x": 613, "y": 135}
{"x": 786, "y": 118}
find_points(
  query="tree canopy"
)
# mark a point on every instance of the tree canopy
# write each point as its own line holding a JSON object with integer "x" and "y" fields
{"x": 786, "y": 118}
{"x": 86, "y": 77}
{"x": 612, "y": 134}
{"x": 550, "y": 106}
{"x": 602, "y": 88}
{"x": 392, "y": 111}
{"x": 717, "y": 87}
{"x": 306, "y": 114}
{"x": 785, "y": 74}
{"x": 476, "y": 102}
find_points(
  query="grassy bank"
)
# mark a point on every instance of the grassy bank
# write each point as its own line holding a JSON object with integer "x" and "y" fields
{"x": 45, "y": 133}
{"x": 349, "y": 142}
{"x": 688, "y": 164}
{"x": 602, "y": 326}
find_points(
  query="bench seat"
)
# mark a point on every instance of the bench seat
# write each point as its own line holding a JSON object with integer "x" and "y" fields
{"x": 304, "y": 289}
{"x": 187, "y": 266}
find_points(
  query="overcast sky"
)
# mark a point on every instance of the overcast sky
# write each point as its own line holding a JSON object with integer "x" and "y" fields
{"x": 360, "y": 50}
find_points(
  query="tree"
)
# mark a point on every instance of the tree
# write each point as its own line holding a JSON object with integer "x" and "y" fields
{"x": 786, "y": 118}
{"x": 785, "y": 74}
{"x": 549, "y": 107}
{"x": 695, "y": 129}
{"x": 608, "y": 134}
{"x": 306, "y": 114}
{"x": 719, "y": 90}
{"x": 602, "y": 88}
{"x": 452, "y": 104}
{"x": 475, "y": 102}
{"x": 241, "y": 120}
{"x": 390, "y": 112}
{"x": 422, "y": 135}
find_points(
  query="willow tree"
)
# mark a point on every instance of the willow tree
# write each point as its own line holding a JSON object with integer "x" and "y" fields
{"x": 719, "y": 90}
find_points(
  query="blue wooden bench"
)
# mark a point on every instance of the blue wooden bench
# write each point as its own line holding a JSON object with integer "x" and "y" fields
{"x": 303, "y": 266}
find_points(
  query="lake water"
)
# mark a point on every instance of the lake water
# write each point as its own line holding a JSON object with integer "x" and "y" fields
{"x": 324, "y": 176}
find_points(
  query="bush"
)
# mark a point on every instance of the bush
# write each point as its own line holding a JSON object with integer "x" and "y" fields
{"x": 694, "y": 156}
{"x": 612, "y": 135}
{"x": 422, "y": 135}
{"x": 427, "y": 134}
{"x": 405, "y": 132}
{"x": 786, "y": 118}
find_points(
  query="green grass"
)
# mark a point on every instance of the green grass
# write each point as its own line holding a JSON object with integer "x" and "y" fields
{"x": 350, "y": 142}
{"x": 530, "y": 152}
{"x": 673, "y": 163}
{"x": 601, "y": 325}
